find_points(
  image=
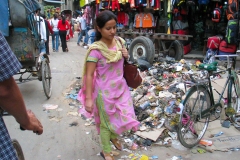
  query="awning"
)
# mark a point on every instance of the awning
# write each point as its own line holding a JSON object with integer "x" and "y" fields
{"x": 54, "y": 1}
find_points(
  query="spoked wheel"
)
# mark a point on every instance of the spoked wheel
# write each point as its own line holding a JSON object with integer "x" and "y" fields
{"x": 46, "y": 78}
{"x": 234, "y": 102}
{"x": 192, "y": 126}
{"x": 18, "y": 149}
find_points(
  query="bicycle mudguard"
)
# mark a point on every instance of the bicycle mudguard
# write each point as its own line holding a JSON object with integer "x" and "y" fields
{"x": 236, "y": 81}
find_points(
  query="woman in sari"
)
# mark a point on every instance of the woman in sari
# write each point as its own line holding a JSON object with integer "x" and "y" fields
{"x": 105, "y": 92}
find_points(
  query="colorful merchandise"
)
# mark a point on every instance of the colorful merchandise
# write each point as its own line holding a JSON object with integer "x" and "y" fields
{"x": 148, "y": 20}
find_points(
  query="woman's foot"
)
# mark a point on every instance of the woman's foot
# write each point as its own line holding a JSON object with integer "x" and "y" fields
{"x": 106, "y": 156}
{"x": 66, "y": 49}
{"x": 117, "y": 143}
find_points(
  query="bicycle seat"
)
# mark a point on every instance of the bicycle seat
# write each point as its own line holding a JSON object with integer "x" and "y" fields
{"x": 209, "y": 67}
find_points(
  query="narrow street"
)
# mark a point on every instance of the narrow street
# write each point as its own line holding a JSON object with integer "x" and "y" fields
{"x": 63, "y": 140}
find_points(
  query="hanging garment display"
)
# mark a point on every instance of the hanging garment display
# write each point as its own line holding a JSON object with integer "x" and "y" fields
{"x": 138, "y": 20}
{"x": 178, "y": 25}
{"x": 148, "y": 20}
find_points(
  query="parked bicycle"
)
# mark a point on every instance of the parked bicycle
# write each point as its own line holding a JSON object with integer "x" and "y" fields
{"x": 199, "y": 106}
{"x": 16, "y": 144}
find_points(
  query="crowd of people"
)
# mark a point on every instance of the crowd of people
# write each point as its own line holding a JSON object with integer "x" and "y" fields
{"x": 59, "y": 27}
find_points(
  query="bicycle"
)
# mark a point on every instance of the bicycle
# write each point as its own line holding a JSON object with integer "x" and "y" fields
{"x": 199, "y": 107}
{"x": 15, "y": 143}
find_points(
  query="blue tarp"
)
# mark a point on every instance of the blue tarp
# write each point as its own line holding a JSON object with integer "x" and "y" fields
{"x": 4, "y": 18}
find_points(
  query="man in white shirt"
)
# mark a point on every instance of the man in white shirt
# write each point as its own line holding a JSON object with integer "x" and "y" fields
{"x": 55, "y": 36}
{"x": 41, "y": 31}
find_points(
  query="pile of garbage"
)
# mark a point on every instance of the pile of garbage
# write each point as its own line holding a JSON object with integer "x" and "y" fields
{"x": 156, "y": 103}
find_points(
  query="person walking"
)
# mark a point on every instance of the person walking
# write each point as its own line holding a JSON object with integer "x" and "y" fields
{"x": 105, "y": 92}
{"x": 11, "y": 100}
{"x": 48, "y": 31}
{"x": 55, "y": 35}
{"x": 42, "y": 31}
{"x": 63, "y": 26}
{"x": 83, "y": 31}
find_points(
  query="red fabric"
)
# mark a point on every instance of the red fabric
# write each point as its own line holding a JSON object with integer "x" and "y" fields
{"x": 157, "y": 5}
{"x": 49, "y": 27}
{"x": 115, "y": 5}
{"x": 213, "y": 42}
{"x": 187, "y": 48}
{"x": 228, "y": 48}
{"x": 181, "y": 32}
{"x": 121, "y": 17}
{"x": 70, "y": 31}
{"x": 63, "y": 27}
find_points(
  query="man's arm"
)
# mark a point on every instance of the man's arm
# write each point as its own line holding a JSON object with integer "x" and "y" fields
{"x": 11, "y": 100}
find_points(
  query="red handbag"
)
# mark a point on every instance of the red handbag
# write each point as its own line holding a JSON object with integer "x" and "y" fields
{"x": 131, "y": 74}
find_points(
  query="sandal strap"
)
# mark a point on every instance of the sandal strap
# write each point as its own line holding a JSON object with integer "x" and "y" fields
{"x": 108, "y": 155}
{"x": 116, "y": 143}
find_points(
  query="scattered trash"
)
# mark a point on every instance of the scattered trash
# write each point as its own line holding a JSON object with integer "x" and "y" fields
{"x": 157, "y": 106}
{"x": 53, "y": 118}
{"x": 234, "y": 149}
{"x": 201, "y": 150}
{"x": 177, "y": 145}
{"x": 73, "y": 113}
{"x": 205, "y": 142}
{"x": 154, "y": 157}
{"x": 50, "y": 106}
{"x": 216, "y": 135}
{"x": 144, "y": 157}
{"x": 176, "y": 158}
{"x": 73, "y": 124}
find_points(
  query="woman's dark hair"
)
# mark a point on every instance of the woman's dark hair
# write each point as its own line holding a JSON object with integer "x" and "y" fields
{"x": 101, "y": 20}
{"x": 63, "y": 19}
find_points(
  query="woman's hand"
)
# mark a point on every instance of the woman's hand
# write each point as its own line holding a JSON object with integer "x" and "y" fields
{"x": 89, "y": 105}
{"x": 124, "y": 53}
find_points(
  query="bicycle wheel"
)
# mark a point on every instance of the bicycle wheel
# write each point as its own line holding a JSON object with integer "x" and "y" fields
{"x": 234, "y": 102}
{"x": 46, "y": 78}
{"x": 192, "y": 126}
{"x": 18, "y": 149}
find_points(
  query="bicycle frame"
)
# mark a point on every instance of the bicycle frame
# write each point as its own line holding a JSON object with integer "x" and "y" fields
{"x": 232, "y": 76}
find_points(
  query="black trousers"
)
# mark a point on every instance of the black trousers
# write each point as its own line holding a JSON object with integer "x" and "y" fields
{"x": 47, "y": 45}
{"x": 62, "y": 35}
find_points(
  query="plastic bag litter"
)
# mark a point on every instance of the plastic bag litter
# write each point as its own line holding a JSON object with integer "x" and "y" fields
{"x": 50, "y": 106}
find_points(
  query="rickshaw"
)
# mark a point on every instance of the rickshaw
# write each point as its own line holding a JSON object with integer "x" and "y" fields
{"x": 24, "y": 41}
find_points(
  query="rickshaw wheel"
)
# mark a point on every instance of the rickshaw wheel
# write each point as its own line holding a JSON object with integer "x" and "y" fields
{"x": 46, "y": 78}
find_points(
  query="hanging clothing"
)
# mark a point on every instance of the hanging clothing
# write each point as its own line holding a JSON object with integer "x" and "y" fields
{"x": 148, "y": 20}
{"x": 126, "y": 20}
{"x": 115, "y": 5}
{"x": 157, "y": 5}
{"x": 121, "y": 17}
{"x": 138, "y": 20}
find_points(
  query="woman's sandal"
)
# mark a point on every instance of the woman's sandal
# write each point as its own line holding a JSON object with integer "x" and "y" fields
{"x": 117, "y": 144}
{"x": 66, "y": 49}
{"x": 105, "y": 155}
